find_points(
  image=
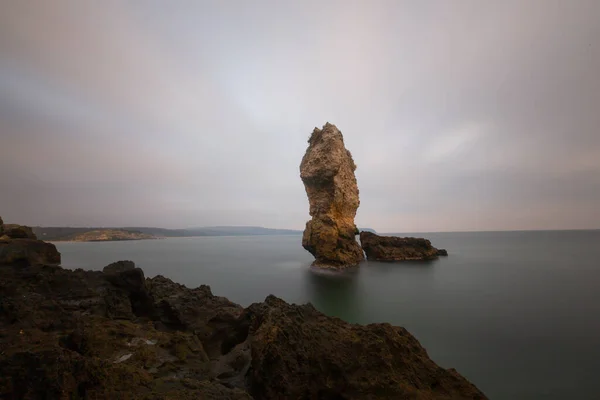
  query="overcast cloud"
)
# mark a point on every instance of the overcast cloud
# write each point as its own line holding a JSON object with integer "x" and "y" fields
{"x": 461, "y": 115}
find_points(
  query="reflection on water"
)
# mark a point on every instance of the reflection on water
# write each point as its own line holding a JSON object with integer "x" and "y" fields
{"x": 393, "y": 266}
{"x": 335, "y": 293}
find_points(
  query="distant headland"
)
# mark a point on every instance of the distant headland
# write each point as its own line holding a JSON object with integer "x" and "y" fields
{"x": 109, "y": 235}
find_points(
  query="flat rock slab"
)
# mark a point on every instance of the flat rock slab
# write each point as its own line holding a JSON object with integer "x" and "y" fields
{"x": 393, "y": 248}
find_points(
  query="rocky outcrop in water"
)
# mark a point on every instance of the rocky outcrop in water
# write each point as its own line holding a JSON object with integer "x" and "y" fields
{"x": 327, "y": 171}
{"x": 118, "y": 335}
{"x": 392, "y": 248}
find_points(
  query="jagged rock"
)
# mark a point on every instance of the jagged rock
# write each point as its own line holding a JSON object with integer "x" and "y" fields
{"x": 19, "y": 246}
{"x": 15, "y": 231}
{"x": 126, "y": 277}
{"x": 442, "y": 252}
{"x": 299, "y": 353}
{"x": 60, "y": 337}
{"x": 27, "y": 252}
{"x": 197, "y": 310}
{"x": 118, "y": 267}
{"x": 58, "y": 373}
{"x": 392, "y": 248}
{"x": 327, "y": 171}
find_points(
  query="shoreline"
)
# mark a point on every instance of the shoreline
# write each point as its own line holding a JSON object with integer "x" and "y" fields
{"x": 100, "y": 240}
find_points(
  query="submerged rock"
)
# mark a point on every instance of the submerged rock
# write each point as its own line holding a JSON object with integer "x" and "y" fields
{"x": 62, "y": 331}
{"x": 327, "y": 171}
{"x": 392, "y": 248}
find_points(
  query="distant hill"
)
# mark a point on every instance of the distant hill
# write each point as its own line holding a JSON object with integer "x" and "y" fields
{"x": 68, "y": 233}
{"x": 89, "y": 234}
{"x": 59, "y": 233}
{"x": 242, "y": 231}
{"x": 106, "y": 235}
{"x": 216, "y": 231}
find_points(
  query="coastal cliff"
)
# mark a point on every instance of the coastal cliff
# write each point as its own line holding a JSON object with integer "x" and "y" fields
{"x": 327, "y": 171}
{"x": 117, "y": 334}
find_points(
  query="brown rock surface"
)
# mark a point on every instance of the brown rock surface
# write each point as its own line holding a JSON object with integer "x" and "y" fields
{"x": 19, "y": 246}
{"x": 15, "y": 231}
{"x": 27, "y": 252}
{"x": 83, "y": 334}
{"x": 392, "y": 248}
{"x": 299, "y": 353}
{"x": 89, "y": 335}
{"x": 327, "y": 171}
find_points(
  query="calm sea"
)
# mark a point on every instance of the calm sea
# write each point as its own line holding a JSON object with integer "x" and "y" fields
{"x": 517, "y": 313}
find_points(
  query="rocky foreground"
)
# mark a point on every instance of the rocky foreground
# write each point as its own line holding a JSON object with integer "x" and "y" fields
{"x": 118, "y": 335}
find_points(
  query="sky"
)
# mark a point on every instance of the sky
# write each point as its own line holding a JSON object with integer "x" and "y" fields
{"x": 461, "y": 115}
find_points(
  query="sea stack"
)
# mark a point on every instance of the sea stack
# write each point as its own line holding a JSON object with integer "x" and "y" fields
{"x": 327, "y": 171}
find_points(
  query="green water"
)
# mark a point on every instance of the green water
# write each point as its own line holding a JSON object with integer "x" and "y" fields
{"x": 517, "y": 313}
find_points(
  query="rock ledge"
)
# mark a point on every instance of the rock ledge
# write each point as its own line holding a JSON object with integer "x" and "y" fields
{"x": 392, "y": 248}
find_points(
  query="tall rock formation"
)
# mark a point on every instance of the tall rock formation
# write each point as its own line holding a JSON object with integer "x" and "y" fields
{"x": 327, "y": 171}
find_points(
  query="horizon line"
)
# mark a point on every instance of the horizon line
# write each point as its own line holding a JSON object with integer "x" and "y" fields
{"x": 301, "y": 230}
